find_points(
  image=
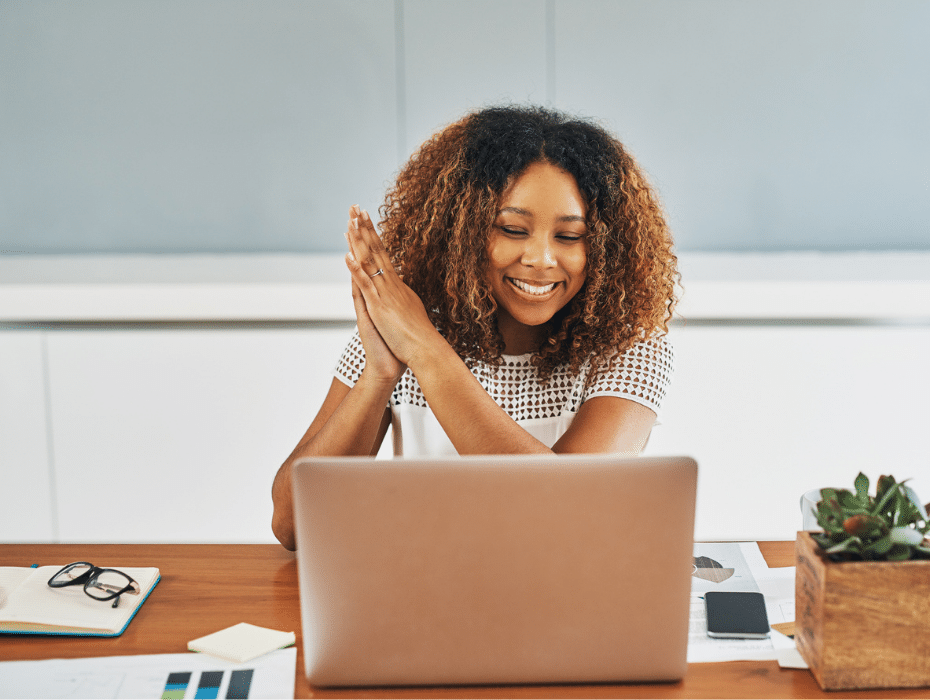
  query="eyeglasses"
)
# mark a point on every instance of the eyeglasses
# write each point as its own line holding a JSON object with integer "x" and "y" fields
{"x": 100, "y": 584}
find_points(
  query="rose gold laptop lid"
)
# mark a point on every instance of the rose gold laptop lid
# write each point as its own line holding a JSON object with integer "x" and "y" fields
{"x": 488, "y": 570}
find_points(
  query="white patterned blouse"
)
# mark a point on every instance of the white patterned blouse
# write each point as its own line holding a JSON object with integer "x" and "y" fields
{"x": 543, "y": 410}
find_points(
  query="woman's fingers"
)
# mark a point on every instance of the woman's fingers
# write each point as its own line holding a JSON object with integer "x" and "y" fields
{"x": 362, "y": 280}
{"x": 360, "y": 277}
{"x": 365, "y": 244}
{"x": 378, "y": 356}
{"x": 394, "y": 310}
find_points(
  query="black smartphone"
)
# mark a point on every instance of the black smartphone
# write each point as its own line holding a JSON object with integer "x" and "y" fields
{"x": 739, "y": 615}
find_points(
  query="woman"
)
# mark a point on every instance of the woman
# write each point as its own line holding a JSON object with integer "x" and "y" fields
{"x": 516, "y": 301}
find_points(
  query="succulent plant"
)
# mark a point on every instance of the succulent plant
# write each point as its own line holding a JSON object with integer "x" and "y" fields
{"x": 892, "y": 525}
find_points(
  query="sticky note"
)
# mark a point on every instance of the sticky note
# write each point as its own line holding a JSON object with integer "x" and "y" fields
{"x": 242, "y": 642}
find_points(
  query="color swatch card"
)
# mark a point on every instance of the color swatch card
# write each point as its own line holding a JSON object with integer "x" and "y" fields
{"x": 180, "y": 684}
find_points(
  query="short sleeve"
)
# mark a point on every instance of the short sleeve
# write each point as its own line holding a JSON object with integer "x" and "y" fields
{"x": 642, "y": 374}
{"x": 352, "y": 362}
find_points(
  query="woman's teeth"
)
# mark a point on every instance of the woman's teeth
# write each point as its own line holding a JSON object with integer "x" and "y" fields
{"x": 532, "y": 288}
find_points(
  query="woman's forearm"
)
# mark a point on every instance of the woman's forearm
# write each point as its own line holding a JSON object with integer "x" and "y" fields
{"x": 471, "y": 419}
{"x": 352, "y": 427}
{"x": 350, "y": 422}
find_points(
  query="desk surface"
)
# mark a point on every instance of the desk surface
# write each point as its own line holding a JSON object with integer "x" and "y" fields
{"x": 205, "y": 588}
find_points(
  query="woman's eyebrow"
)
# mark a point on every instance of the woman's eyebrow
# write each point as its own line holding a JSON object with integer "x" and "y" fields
{"x": 527, "y": 212}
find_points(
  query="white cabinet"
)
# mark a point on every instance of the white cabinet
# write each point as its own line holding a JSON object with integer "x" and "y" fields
{"x": 772, "y": 412}
{"x": 27, "y": 487}
{"x": 174, "y": 434}
{"x": 167, "y": 435}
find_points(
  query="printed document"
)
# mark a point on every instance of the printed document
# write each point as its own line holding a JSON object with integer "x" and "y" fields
{"x": 173, "y": 676}
{"x": 738, "y": 566}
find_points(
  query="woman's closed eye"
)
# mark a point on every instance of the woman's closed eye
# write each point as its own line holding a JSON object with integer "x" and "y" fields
{"x": 568, "y": 236}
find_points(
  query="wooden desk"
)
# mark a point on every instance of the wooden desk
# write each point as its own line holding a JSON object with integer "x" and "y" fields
{"x": 205, "y": 588}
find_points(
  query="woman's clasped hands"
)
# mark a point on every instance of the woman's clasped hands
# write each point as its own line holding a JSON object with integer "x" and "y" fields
{"x": 392, "y": 321}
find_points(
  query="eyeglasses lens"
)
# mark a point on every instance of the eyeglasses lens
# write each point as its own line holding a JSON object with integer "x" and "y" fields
{"x": 72, "y": 572}
{"x": 106, "y": 583}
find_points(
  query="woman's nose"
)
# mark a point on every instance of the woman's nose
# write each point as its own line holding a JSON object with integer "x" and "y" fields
{"x": 538, "y": 252}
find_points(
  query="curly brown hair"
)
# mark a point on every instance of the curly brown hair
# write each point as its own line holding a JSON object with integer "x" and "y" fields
{"x": 438, "y": 216}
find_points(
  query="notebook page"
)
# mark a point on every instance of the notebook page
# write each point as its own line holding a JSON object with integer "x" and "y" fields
{"x": 35, "y": 603}
{"x": 11, "y": 578}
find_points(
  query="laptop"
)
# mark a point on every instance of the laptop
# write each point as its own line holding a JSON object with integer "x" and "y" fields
{"x": 494, "y": 570}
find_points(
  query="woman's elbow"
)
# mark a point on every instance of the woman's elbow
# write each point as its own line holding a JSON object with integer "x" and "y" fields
{"x": 282, "y": 518}
{"x": 283, "y": 529}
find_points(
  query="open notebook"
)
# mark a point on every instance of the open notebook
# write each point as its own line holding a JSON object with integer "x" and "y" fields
{"x": 29, "y": 606}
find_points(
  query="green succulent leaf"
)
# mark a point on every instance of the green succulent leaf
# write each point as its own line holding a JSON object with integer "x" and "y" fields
{"x": 843, "y": 546}
{"x": 892, "y": 526}
{"x": 823, "y": 541}
{"x": 915, "y": 500}
{"x": 830, "y": 515}
{"x": 883, "y": 484}
{"x": 901, "y": 506}
{"x": 886, "y": 495}
{"x": 880, "y": 546}
{"x": 906, "y": 535}
{"x": 862, "y": 488}
{"x": 898, "y": 552}
{"x": 851, "y": 503}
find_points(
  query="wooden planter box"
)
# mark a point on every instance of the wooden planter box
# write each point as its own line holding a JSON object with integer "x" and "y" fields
{"x": 862, "y": 624}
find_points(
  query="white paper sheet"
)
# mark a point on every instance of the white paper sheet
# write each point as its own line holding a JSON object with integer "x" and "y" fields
{"x": 145, "y": 676}
{"x": 749, "y": 573}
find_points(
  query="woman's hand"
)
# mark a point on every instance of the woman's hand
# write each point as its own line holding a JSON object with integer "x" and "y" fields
{"x": 396, "y": 313}
{"x": 380, "y": 362}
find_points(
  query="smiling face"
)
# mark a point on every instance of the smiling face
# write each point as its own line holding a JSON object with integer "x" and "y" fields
{"x": 537, "y": 253}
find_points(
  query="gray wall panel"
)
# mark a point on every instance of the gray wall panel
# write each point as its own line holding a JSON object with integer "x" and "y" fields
{"x": 465, "y": 55}
{"x": 177, "y": 127}
{"x": 144, "y": 126}
{"x": 768, "y": 125}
